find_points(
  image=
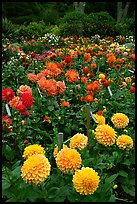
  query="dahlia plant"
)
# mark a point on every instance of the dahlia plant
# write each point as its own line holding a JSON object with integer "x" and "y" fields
{"x": 84, "y": 88}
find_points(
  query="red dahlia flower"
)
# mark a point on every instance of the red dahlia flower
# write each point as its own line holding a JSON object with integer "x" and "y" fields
{"x": 27, "y": 99}
{"x": 7, "y": 94}
{"x": 21, "y": 108}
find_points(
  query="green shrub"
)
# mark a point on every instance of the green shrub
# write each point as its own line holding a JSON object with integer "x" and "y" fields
{"x": 101, "y": 23}
{"x": 102, "y": 17}
{"x": 7, "y": 27}
{"x": 55, "y": 30}
{"x": 72, "y": 24}
{"x": 122, "y": 29}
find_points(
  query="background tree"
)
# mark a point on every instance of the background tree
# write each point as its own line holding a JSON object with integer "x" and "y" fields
{"x": 79, "y": 6}
{"x": 122, "y": 12}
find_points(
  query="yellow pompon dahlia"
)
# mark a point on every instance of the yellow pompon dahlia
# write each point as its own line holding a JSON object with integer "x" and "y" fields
{"x": 36, "y": 169}
{"x": 124, "y": 142}
{"x": 33, "y": 149}
{"x": 120, "y": 120}
{"x": 86, "y": 181}
{"x": 99, "y": 119}
{"x": 68, "y": 160}
{"x": 105, "y": 135}
{"x": 79, "y": 141}
{"x": 56, "y": 150}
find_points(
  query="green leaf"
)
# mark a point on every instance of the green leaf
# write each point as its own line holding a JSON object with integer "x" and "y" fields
{"x": 51, "y": 108}
{"x": 16, "y": 173}
{"x": 5, "y": 183}
{"x": 111, "y": 178}
{"x": 9, "y": 153}
{"x": 129, "y": 190}
{"x": 123, "y": 173}
{"x": 53, "y": 192}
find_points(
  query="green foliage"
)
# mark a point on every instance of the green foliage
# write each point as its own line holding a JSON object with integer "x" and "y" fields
{"x": 123, "y": 29}
{"x": 7, "y": 27}
{"x": 72, "y": 24}
{"x": 55, "y": 30}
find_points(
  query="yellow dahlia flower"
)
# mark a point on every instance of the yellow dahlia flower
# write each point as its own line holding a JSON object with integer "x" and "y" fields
{"x": 36, "y": 169}
{"x": 124, "y": 142}
{"x": 120, "y": 120}
{"x": 128, "y": 79}
{"x": 102, "y": 76}
{"x": 79, "y": 141}
{"x": 68, "y": 160}
{"x": 86, "y": 181}
{"x": 99, "y": 119}
{"x": 33, "y": 149}
{"x": 56, "y": 150}
{"x": 105, "y": 135}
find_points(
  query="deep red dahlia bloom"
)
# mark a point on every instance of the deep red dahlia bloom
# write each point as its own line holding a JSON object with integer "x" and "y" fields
{"x": 7, "y": 94}
{"x": 27, "y": 99}
{"x": 21, "y": 108}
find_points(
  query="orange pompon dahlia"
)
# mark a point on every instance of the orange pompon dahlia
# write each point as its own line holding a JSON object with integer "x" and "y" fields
{"x": 15, "y": 102}
{"x": 72, "y": 75}
{"x": 32, "y": 77}
{"x": 24, "y": 88}
{"x": 120, "y": 120}
{"x": 64, "y": 103}
{"x": 87, "y": 57}
{"x": 89, "y": 98}
{"x": 86, "y": 180}
{"x": 79, "y": 141}
{"x": 56, "y": 150}
{"x": 105, "y": 135}
{"x": 41, "y": 82}
{"x": 51, "y": 87}
{"x": 36, "y": 169}
{"x": 84, "y": 80}
{"x": 32, "y": 150}
{"x": 93, "y": 65}
{"x": 61, "y": 87}
{"x": 68, "y": 160}
{"x": 100, "y": 119}
{"x": 124, "y": 142}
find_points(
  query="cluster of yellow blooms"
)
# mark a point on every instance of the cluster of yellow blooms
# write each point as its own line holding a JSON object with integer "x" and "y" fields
{"x": 36, "y": 168}
{"x": 86, "y": 180}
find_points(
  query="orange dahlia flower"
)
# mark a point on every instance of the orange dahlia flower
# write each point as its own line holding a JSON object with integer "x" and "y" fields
{"x": 32, "y": 77}
{"x": 86, "y": 180}
{"x": 72, "y": 75}
{"x": 68, "y": 160}
{"x": 84, "y": 80}
{"x": 79, "y": 141}
{"x": 87, "y": 57}
{"x": 56, "y": 150}
{"x": 36, "y": 169}
{"x": 32, "y": 150}
{"x": 64, "y": 103}
{"x": 15, "y": 102}
{"x": 120, "y": 120}
{"x": 105, "y": 135}
{"x": 124, "y": 142}
{"x": 61, "y": 87}
{"x": 24, "y": 88}
{"x": 100, "y": 119}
